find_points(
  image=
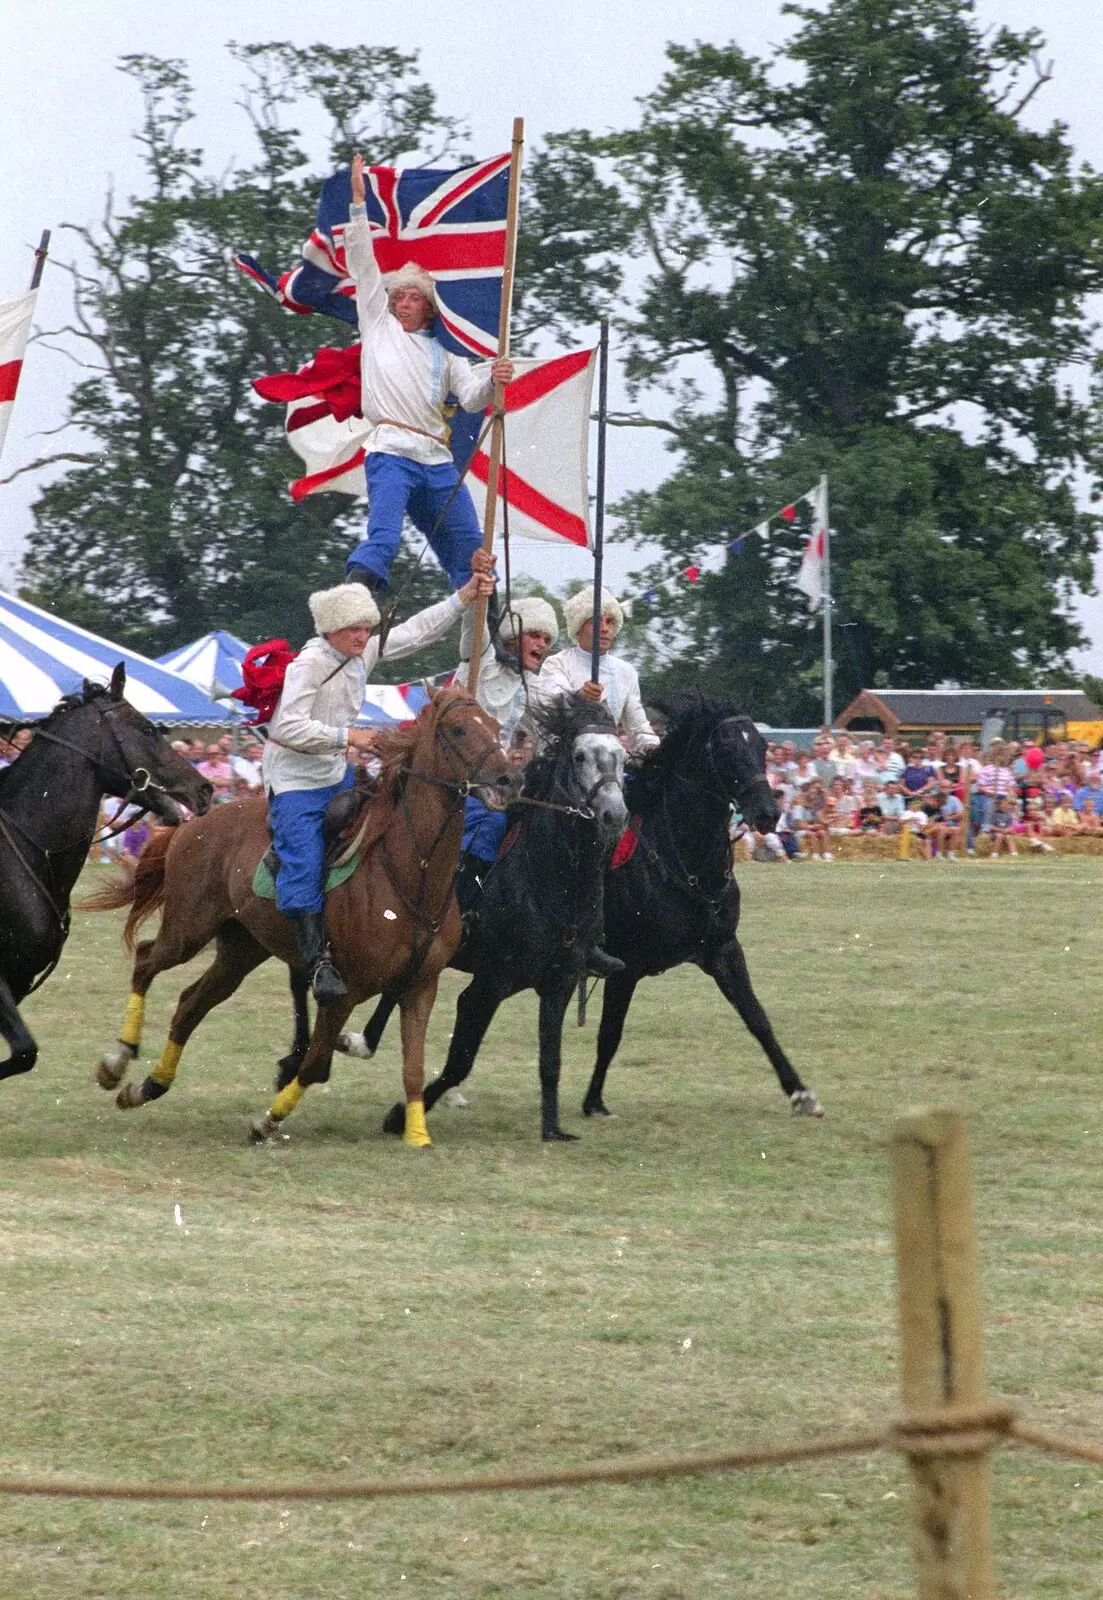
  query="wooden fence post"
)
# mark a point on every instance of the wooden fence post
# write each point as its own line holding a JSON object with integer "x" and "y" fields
{"x": 942, "y": 1357}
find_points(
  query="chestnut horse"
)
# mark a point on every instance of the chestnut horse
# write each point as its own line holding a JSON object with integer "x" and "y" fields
{"x": 393, "y": 922}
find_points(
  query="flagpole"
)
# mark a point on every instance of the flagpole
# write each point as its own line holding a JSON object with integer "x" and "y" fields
{"x": 828, "y": 662}
{"x": 40, "y": 259}
{"x": 495, "y": 453}
{"x": 599, "y": 501}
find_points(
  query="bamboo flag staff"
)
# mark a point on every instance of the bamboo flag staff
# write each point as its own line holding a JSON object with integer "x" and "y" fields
{"x": 15, "y": 326}
{"x": 495, "y": 454}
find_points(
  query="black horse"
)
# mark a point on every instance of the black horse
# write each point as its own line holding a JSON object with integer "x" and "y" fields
{"x": 539, "y": 912}
{"x": 674, "y": 897}
{"x": 92, "y": 744}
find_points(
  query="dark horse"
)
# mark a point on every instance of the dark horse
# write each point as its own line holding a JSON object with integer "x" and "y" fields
{"x": 540, "y": 908}
{"x": 674, "y": 898}
{"x": 92, "y": 744}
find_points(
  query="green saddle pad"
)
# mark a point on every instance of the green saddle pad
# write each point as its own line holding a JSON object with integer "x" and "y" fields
{"x": 264, "y": 885}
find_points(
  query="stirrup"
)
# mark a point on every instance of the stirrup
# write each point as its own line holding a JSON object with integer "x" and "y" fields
{"x": 327, "y": 984}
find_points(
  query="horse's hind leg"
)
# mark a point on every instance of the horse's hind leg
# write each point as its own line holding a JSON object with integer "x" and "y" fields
{"x": 150, "y": 957}
{"x": 553, "y": 1008}
{"x": 20, "y": 1040}
{"x": 619, "y": 990}
{"x": 729, "y": 969}
{"x": 237, "y": 954}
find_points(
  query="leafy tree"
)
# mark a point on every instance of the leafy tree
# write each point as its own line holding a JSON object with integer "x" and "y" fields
{"x": 174, "y": 517}
{"x": 858, "y": 260}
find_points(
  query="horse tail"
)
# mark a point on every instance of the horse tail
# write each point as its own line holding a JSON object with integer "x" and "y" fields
{"x": 139, "y": 884}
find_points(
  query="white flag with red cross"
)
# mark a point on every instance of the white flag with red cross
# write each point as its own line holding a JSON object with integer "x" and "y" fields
{"x": 544, "y": 479}
{"x": 810, "y": 576}
{"x": 15, "y": 326}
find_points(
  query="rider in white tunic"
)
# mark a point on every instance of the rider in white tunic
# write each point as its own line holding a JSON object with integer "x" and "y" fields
{"x": 619, "y": 682}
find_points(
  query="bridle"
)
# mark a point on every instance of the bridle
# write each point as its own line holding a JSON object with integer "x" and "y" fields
{"x": 140, "y": 781}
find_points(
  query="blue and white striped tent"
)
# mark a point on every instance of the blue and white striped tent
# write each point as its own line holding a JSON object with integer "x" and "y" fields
{"x": 43, "y": 658}
{"x": 213, "y": 664}
{"x": 214, "y": 661}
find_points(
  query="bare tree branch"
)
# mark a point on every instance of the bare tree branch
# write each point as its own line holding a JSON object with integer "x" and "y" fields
{"x": 48, "y": 461}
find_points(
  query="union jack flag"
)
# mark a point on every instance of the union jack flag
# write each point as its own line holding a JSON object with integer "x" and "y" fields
{"x": 452, "y": 223}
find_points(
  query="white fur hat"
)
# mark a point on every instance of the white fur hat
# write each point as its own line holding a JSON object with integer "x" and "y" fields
{"x": 580, "y": 608}
{"x": 529, "y": 615}
{"x": 343, "y": 607}
{"x": 411, "y": 276}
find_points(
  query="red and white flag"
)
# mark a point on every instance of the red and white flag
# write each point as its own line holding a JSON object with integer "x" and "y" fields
{"x": 810, "y": 576}
{"x": 545, "y": 479}
{"x": 15, "y": 326}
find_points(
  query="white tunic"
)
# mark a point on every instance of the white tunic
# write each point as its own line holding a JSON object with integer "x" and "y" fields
{"x": 503, "y": 692}
{"x": 569, "y": 669}
{"x": 404, "y": 377}
{"x": 322, "y": 695}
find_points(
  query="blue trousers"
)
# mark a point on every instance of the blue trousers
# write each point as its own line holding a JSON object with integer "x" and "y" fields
{"x": 483, "y": 829}
{"x": 398, "y": 488}
{"x": 296, "y": 818}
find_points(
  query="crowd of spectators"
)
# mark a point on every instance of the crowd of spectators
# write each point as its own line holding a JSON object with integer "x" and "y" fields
{"x": 945, "y": 793}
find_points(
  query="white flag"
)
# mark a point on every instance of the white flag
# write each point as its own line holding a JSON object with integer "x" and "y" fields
{"x": 810, "y": 576}
{"x": 15, "y": 325}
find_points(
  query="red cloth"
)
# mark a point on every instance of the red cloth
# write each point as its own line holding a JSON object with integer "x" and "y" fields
{"x": 263, "y": 671}
{"x": 1034, "y": 758}
{"x": 333, "y": 376}
{"x": 626, "y": 845}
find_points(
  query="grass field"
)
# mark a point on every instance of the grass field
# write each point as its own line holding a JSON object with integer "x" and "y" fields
{"x": 701, "y": 1271}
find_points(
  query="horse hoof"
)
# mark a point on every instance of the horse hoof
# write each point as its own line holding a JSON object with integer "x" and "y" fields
{"x": 598, "y": 1109}
{"x": 417, "y": 1141}
{"x": 804, "y": 1103}
{"x": 558, "y": 1136}
{"x": 261, "y": 1129}
{"x": 352, "y": 1044}
{"x": 395, "y": 1120}
{"x": 455, "y": 1100}
{"x": 113, "y": 1064}
{"x": 21, "y": 1061}
{"x": 130, "y": 1096}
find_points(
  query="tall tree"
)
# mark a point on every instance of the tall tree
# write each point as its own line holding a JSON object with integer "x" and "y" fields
{"x": 858, "y": 260}
{"x": 174, "y": 516}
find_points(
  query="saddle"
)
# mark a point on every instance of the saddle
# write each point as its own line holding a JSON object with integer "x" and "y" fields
{"x": 342, "y": 822}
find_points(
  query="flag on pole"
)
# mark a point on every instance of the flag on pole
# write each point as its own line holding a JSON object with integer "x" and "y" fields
{"x": 15, "y": 327}
{"x": 810, "y": 577}
{"x": 545, "y": 476}
{"x": 450, "y": 222}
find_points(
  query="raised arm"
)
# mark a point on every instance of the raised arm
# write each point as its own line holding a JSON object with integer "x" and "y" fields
{"x": 371, "y": 295}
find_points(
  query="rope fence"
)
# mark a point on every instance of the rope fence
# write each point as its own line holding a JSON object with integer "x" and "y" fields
{"x": 947, "y": 1434}
{"x": 969, "y": 1431}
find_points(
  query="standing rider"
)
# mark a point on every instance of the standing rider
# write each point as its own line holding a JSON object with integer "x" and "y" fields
{"x": 304, "y": 762}
{"x": 406, "y": 376}
{"x": 619, "y": 682}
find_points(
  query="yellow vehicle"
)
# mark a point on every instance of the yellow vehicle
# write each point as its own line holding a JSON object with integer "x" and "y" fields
{"x": 1042, "y": 724}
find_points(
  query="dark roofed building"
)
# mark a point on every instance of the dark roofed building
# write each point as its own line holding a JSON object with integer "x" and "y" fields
{"x": 904, "y": 711}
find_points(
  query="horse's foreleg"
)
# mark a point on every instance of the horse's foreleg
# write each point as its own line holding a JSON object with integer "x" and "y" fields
{"x": 328, "y": 1022}
{"x": 729, "y": 969}
{"x": 20, "y": 1040}
{"x": 553, "y": 1009}
{"x": 288, "y": 1066}
{"x": 619, "y": 990}
{"x": 238, "y": 953}
{"x": 415, "y": 1009}
{"x": 474, "y": 1014}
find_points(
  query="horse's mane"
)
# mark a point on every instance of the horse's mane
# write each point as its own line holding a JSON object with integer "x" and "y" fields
{"x": 558, "y": 724}
{"x": 394, "y": 749}
{"x": 689, "y": 716}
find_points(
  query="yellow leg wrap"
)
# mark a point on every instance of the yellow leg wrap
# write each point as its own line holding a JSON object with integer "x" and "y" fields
{"x": 132, "y": 1024}
{"x": 416, "y": 1132}
{"x": 287, "y": 1100}
{"x": 165, "y": 1070}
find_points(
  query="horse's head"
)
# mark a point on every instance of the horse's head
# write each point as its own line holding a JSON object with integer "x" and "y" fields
{"x": 134, "y": 761}
{"x": 584, "y": 748}
{"x": 467, "y": 745}
{"x": 737, "y": 752}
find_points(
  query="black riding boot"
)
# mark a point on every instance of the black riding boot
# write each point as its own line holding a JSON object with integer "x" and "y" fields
{"x": 371, "y": 580}
{"x": 325, "y": 981}
{"x": 600, "y": 964}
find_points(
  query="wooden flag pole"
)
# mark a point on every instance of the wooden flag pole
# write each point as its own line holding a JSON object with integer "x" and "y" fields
{"x": 599, "y": 551}
{"x": 516, "y": 151}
